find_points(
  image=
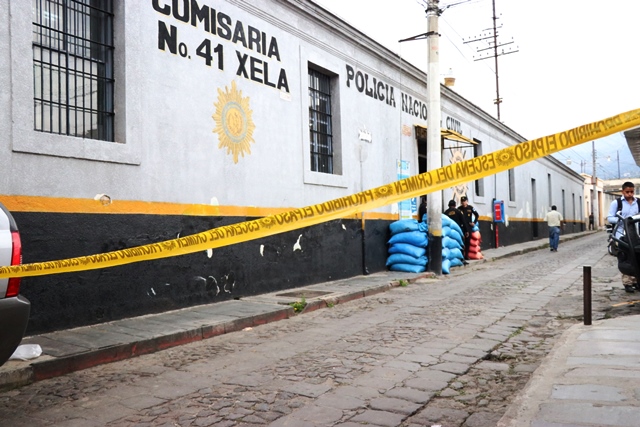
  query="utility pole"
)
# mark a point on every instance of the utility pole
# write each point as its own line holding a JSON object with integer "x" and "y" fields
{"x": 434, "y": 144}
{"x": 498, "y": 100}
{"x": 434, "y": 141}
{"x": 493, "y": 46}
{"x": 618, "y": 157}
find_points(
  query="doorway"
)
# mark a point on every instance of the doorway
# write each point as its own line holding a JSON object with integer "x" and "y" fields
{"x": 421, "y": 141}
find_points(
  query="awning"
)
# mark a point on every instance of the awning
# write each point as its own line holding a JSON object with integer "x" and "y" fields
{"x": 455, "y": 136}
{"x": 633, "y": 142}
{"x": 446, "y": 134}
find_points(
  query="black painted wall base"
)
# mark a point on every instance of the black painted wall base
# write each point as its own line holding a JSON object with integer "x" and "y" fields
{"x": 520, "y": 232}
{"x": 330, "y": 251}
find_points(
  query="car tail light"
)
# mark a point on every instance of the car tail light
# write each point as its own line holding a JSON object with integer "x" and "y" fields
{"x": 13, "y": 287}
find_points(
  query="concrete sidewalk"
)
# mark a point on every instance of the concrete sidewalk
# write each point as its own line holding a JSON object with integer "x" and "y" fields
{"x": 71, "y": 350}
{"x": 591, "y": 378}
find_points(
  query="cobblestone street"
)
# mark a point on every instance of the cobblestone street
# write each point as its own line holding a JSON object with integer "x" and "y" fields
{"x": 453, "y": 351}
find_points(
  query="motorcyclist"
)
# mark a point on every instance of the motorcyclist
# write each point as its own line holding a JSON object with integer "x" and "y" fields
{"x": 627, "y": 205}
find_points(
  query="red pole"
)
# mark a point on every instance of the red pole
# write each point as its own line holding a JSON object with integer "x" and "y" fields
{"x": 497, "y": 216}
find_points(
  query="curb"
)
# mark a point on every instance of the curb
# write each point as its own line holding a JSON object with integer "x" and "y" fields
{"x": 46, "y": 366}
{"x": 51, "y": 366}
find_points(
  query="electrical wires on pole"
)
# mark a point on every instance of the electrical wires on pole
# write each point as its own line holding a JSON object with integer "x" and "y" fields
{"x": 491, "y": 51}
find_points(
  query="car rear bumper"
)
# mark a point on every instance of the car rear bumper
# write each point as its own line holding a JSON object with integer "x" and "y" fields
{"x": 14, "y": 316}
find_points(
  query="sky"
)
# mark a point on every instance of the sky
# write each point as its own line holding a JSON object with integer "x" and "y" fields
{"x": 573, "y": 62}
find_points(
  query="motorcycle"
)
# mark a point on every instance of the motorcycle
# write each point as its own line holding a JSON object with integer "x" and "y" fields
{"x": 612, "y": 247}
{"x": 628, "y": 245}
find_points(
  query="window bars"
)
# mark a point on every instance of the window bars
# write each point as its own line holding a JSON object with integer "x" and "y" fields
{"x": 320, "y": 129}
{"x": 73, "y": 68}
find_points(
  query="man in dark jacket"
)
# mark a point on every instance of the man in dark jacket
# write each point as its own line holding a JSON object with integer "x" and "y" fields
{"x": 470, "y": 218}
{"x": 422, "y": 209}
{"x": 455, "y": 214}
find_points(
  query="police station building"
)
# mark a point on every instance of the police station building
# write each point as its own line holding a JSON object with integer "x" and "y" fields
{"x": 125, "y": 123}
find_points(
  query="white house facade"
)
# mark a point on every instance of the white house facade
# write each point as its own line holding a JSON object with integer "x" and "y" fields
{"x": 124, "y": 123}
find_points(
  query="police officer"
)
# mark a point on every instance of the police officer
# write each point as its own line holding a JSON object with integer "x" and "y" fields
{"x": 456, "y": 215}
{"x": 422, "y": 209}
{"x": 471, "y": 217}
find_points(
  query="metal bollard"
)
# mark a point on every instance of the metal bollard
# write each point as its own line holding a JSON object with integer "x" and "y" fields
{"x": 586, "y": 275}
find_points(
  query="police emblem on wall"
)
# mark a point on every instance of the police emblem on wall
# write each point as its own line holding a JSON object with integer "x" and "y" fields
{"x": 234, "y": 125}
{"x": 461, "y": 189}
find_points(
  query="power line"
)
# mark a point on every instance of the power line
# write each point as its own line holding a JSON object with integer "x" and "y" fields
{"x": 452, "y": 41}
{"x": 422, "y": 3}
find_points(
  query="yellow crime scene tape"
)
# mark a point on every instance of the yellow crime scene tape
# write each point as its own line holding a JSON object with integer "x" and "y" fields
{"x": 425, "y": 183}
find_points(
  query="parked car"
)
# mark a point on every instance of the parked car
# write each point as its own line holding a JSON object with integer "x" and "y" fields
{"x": 14, "y": 308}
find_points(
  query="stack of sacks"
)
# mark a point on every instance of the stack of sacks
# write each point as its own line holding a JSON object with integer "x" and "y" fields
{"x": 452, "y": 244}
{"x": 474, "y": 247}
{"x": 407, "y": 246}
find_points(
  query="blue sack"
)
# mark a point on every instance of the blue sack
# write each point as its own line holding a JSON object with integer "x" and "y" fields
{"x": 403, "y": 225}
{"x": 406, "y": 259}
{"x": 415, "y": 238}
{"x": 445, "y": 266}
{"x": 448, "y": 242}
{"x": 453, "y": 231}
{"x": 455, "y": 235}
{"x": 455, "y": 262}
{"x": 455, "y": 254}
{"x": 408, "y": 268}
{"x": 448, "y": 222}
{"x": 407, "y": 249}
{"x": 445, "y": 253}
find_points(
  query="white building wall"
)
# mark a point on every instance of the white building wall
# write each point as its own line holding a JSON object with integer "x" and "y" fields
{"x": 166, "y": 148}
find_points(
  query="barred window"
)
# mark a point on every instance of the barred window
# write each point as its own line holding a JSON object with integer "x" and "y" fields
{"x": 73, "y": 68}
{"x": 320, "y": 128}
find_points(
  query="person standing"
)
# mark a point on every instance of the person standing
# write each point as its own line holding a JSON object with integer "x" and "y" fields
{"x": 627, "y": 205}
{"x": 554, "y": 221}
{"x": 471, "y": 217}
{"x": 591, "y": 221}
{"x": 456, "y": 215}
{"x": 422, "y": 209}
